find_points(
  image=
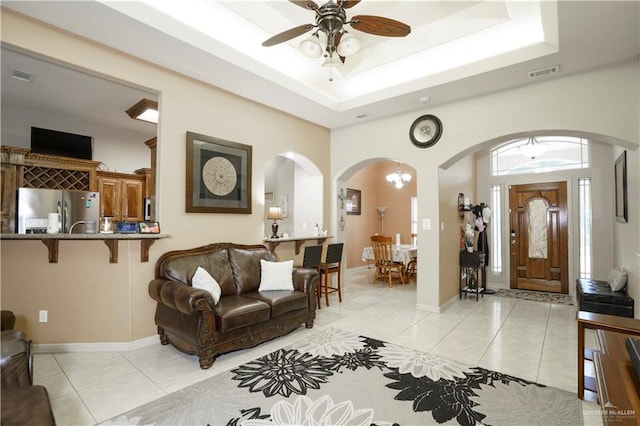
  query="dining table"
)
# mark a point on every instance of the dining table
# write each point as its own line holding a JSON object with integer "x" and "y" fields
{"x": 401, "y": 253}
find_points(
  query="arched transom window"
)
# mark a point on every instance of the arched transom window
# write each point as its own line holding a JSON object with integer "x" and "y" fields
{"x": 539, "y": 155}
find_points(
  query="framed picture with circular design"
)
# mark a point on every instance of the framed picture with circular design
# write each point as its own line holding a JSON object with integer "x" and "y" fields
{"x": 218, "y": 175}
{"x": 425, "y": 131}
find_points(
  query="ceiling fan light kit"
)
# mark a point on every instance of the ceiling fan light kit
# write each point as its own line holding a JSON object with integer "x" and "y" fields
{"x": 336, "y": 42}
{"x": 349, "y": 45}
{"x": 311, "y": 46}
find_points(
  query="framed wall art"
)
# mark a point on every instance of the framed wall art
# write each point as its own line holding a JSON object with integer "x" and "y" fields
{"x": 354, "y": 201}
{"x": 620, "y": 173}
{"x": 218, "y": 175}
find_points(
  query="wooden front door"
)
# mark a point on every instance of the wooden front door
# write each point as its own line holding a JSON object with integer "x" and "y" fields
{"x": 538, "y": 236}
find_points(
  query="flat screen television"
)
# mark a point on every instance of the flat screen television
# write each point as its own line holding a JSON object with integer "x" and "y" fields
{"x": 53, "y": 142}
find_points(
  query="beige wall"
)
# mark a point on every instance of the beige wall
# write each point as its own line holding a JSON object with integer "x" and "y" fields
{"x": 377, "y": 193}
{"x": 91, "y": 300}
{"x": 460, "y": 177}
{"x": 608, "y": 110}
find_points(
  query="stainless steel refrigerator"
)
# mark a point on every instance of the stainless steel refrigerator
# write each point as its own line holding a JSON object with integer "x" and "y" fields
{"x": 78, "y": 211}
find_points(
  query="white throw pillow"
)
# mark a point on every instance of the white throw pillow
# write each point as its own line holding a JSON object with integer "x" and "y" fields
{"x": 204, "y": 281}
{"x": 617, "y": 279}
{"x": 276, "y": 275}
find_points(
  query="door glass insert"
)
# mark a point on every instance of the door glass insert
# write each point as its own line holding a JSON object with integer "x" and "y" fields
{"x": 537, "y": 217}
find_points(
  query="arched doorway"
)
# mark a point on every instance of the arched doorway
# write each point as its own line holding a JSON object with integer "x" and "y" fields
{"x": 368, "y": 179}
{"x": 295, "y": 184}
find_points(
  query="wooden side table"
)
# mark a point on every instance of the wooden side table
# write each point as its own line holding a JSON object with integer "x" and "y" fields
{"x": 616, "y": 380}
{"x": 472, "y": 263}
{"x": 602, "y": 322}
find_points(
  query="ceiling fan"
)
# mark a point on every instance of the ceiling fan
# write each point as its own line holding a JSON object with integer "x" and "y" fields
{"x": 331, "y": 19}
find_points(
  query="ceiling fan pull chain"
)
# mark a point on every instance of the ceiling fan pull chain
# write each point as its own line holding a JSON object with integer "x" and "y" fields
{"x": 330, "y": 69}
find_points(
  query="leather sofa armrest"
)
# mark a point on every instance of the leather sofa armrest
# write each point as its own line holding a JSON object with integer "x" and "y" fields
{"x": 182, "y": 297}
{"x": 305, "y": 280}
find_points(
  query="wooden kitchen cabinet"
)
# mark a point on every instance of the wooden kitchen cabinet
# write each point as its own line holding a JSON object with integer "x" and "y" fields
{"x": 121, "y": 196}
{"x": 21, "y": 168}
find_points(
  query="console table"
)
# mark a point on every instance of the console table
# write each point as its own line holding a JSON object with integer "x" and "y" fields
{"x": 615, "y": 381}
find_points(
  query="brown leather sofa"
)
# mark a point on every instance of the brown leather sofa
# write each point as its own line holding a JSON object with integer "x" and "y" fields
{"x": 244, "y": 317}
{"x": 22, "y": 402}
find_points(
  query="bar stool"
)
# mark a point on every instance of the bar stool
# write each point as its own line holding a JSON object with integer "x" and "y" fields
{"x": 312, "y": 259}
{"x": 332, "y": 264}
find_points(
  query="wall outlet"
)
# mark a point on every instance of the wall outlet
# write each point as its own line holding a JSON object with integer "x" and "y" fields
{"x": 44, "y": 316}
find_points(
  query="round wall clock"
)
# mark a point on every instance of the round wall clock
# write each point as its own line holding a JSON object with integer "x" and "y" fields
{"x": 425, "y": 131}
{"x": 219, "y": 176}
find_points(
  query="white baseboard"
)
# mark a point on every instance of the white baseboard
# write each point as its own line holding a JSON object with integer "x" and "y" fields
{"x": 53, "y": 348}
{"x": 450, "y": 302}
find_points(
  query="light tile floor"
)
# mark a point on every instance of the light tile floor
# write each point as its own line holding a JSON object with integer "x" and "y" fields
{"x": 533, "y": 340}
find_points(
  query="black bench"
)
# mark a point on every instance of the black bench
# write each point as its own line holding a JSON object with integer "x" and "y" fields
{"x": 597, "y": 296}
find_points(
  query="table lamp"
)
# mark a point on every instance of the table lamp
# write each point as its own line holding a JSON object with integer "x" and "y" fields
{"x": 275, "y": 214}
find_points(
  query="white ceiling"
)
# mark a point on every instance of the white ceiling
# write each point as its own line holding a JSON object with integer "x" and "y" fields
{"x": 456, "y": 49}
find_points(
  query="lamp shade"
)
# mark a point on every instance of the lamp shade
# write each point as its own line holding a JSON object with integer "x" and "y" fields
{"x": 311, "y": 46}
{"x": 348, "y": 45}
{"x": 275, "y": 213}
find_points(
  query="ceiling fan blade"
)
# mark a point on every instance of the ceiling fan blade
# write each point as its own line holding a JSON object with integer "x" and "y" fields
{"x": 346, "y": 4}
{"x": 337, "y": 43}
{"x": 305, "y": 4}
{"x": 288, "y": 35}
{"x": 378, "y": 25}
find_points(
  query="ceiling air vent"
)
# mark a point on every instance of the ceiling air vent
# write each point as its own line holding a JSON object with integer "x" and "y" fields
{"x": 362, "y": 116}
{"x": 22, "y": 75}
{"x": 543, "y": 72}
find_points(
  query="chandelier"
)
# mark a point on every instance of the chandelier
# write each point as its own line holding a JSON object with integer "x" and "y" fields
{"x": 532, "y": 148}
{"x": 398, "y": 179}
{"x": 330, "y": 37}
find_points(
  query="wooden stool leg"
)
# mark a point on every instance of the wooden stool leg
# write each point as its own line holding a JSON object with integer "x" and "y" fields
{"x": 319, "y": 291}
{"x": 339, "y": 287}
{"x": 326, "y": 288}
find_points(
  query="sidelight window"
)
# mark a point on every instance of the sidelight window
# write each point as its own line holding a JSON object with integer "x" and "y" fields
{"x": 496, "y": 229}
{"x": 584, "y": 195}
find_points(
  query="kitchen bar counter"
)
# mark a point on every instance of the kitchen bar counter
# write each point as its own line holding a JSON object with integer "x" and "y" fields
{"x": 111, "y": 241}
{"x": 299, "y": 241}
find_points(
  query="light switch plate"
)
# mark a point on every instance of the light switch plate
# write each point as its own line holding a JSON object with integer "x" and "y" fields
{"x": 426, "y": 224}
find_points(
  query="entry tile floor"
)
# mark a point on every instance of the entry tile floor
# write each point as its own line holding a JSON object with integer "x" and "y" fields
{"x": 533, "y": 340}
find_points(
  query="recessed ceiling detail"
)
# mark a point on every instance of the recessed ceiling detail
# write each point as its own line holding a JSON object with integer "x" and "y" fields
{"x": 448, "y": 41}
{"x": 456, "y": 49}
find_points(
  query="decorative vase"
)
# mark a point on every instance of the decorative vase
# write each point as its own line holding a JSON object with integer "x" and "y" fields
{"x": 470, "y": 249}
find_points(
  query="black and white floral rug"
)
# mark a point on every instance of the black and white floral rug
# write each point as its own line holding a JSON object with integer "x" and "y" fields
{"x": 537, "y": 296}
{"x": 339, "y": 378}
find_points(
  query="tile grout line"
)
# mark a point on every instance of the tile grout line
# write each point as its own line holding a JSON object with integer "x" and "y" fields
{"x": 497, "y": 332}
{"x": 75, "y": 391}
{"x": 544, "y": 340}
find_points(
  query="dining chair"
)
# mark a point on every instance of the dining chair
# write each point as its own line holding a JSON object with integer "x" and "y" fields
{"x": 383, "y": 254}
{"x": 332, "y": 265}
{"x": 412, "y": 266}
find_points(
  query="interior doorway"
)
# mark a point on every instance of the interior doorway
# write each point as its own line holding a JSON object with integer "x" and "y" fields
{"x": 539, "y": 237}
